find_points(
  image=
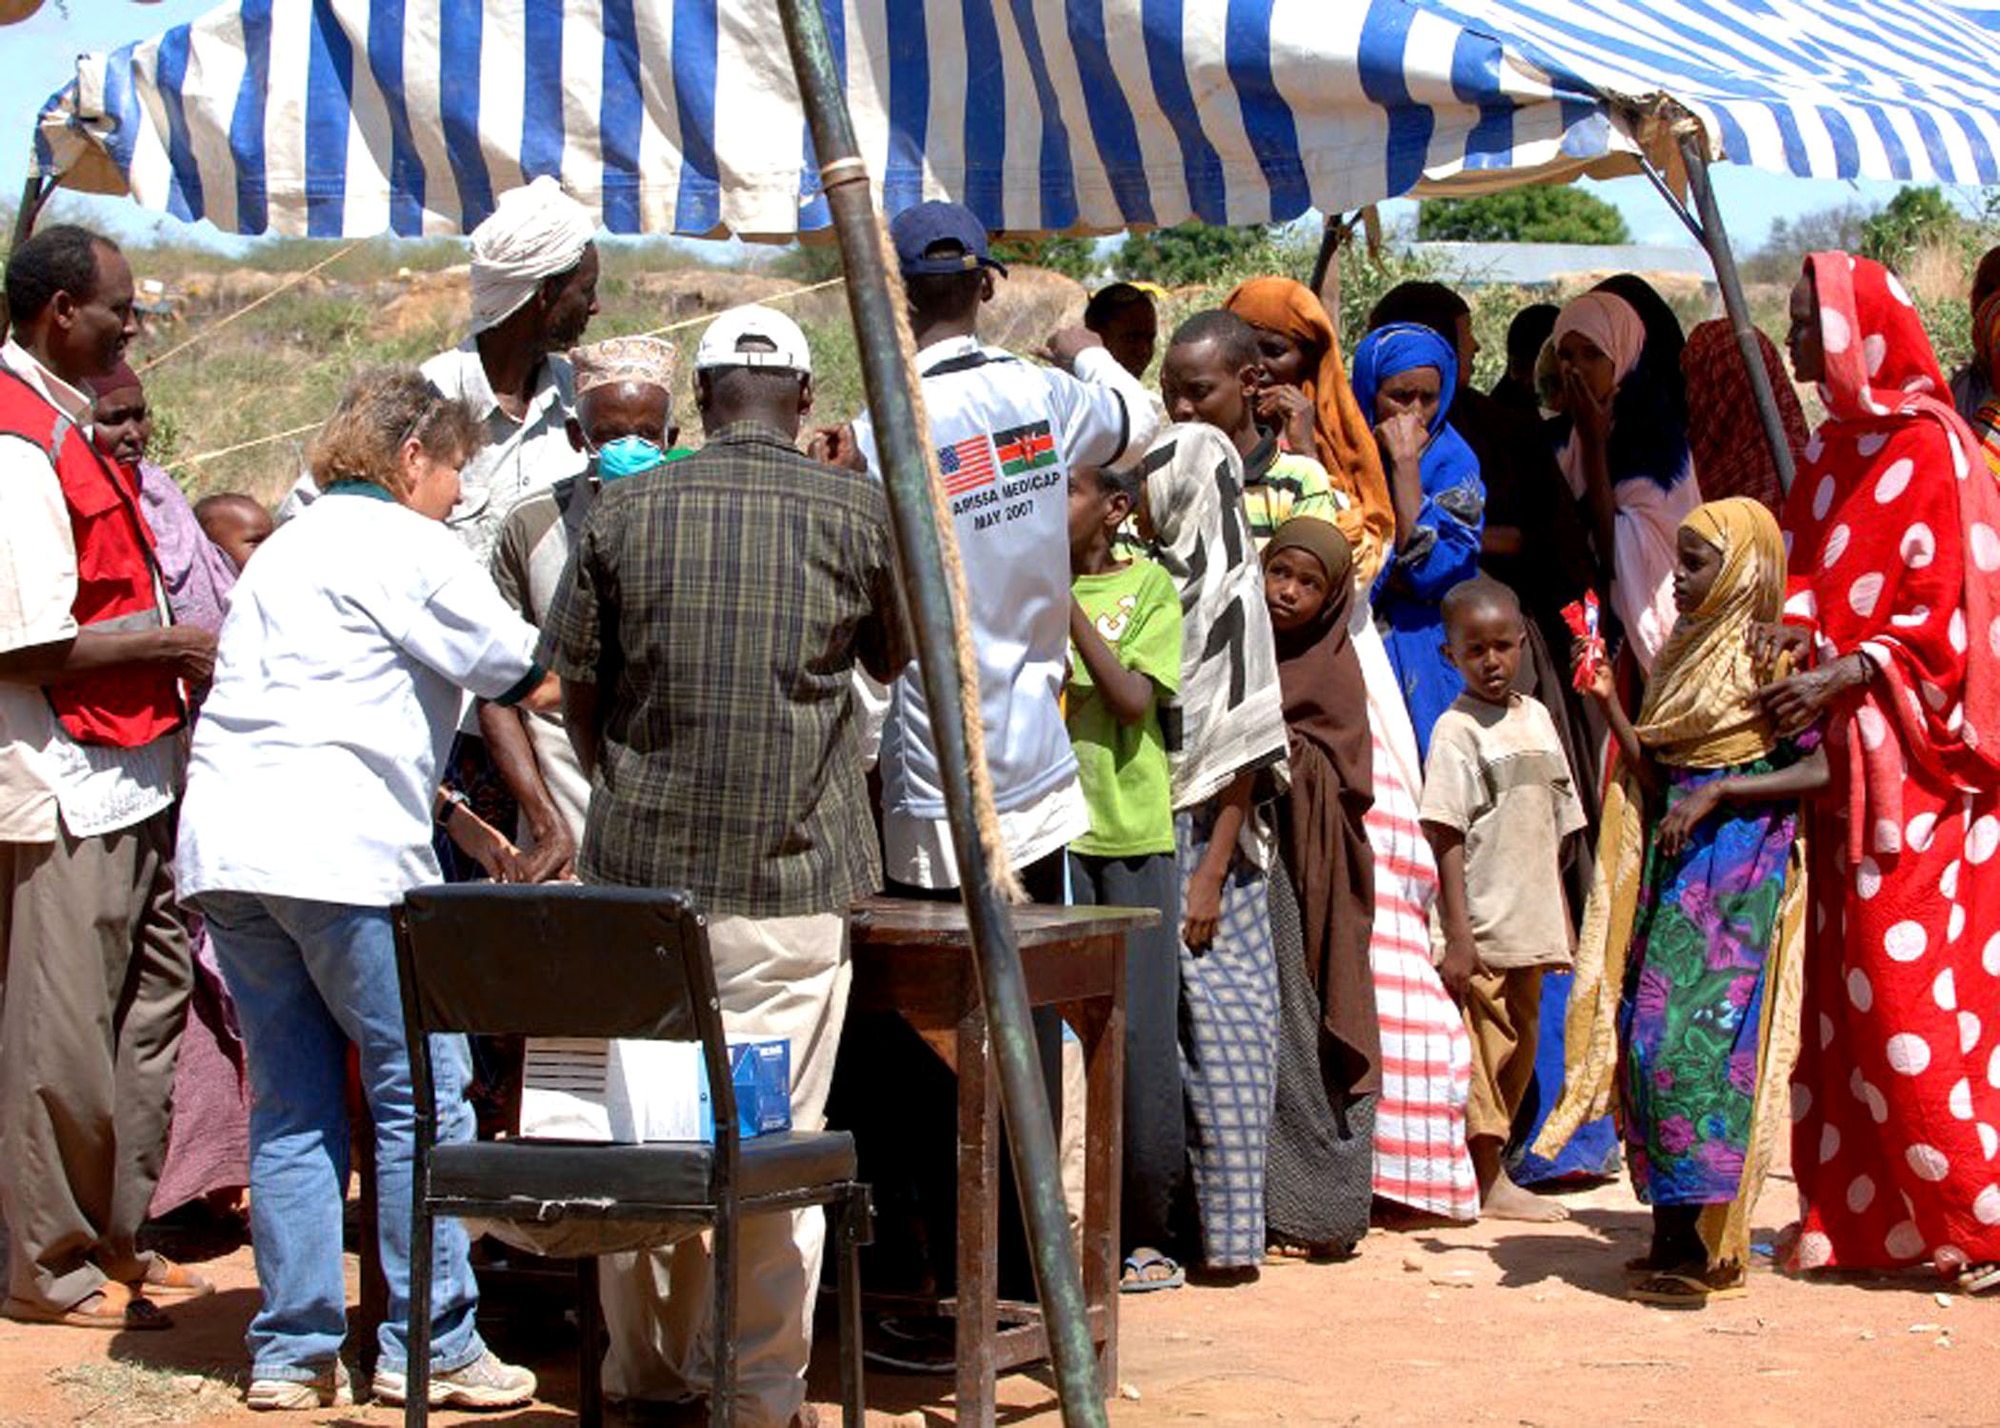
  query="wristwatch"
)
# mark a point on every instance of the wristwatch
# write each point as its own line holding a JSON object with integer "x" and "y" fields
{"x": 453, "y": 798}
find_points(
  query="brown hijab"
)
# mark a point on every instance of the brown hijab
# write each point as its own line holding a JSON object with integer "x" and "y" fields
{"x": 1321, "y": 834}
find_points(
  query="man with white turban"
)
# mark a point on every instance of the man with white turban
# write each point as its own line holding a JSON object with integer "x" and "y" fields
{"x": 534, "y": 290}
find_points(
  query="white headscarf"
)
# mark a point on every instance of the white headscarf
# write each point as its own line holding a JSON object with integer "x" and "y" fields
{"x": 1231, "y": 712}
{"x": 532, "y": 234}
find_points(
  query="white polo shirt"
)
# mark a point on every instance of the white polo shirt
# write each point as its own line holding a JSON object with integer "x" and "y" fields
{"x": 48, "y": 779}
{"x": 1007, "y": 432}
{"x": 337, "y": 686}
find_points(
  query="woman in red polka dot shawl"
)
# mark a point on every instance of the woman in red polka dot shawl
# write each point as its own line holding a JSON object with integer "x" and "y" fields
{"x": 1893, "y": 532}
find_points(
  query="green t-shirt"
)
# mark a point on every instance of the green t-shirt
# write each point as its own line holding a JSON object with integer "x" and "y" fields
{"x": 1124, "y": 766}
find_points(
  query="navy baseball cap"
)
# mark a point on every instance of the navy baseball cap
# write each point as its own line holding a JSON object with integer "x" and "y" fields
{"x": 935, "y": 237}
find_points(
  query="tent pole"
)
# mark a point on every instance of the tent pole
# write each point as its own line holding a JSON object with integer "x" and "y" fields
{"x": 1329, "y": 243}
{"x": 34, "y": 193}
{"x": 1715, "y": 238}
{"x": 886, "y": 374}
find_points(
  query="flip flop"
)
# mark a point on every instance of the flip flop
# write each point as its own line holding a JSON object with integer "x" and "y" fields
{"x": 110, "y": 1306}
{"x": 1133, "y": 1279}
{"x": 167, "y": 1280}
{"x": 1687, "y": 1289}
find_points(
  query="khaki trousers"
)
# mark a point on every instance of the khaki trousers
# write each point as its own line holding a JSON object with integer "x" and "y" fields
{"x": 784, "y": 976}
{"x": 95, "y": 974}
{"x": 1503, "y": 1016}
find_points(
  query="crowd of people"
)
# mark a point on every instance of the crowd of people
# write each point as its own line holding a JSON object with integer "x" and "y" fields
{"x": 1527, "y": 780}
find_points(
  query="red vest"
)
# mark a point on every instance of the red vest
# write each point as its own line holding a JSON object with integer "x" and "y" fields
{"x": 130, "y": 705}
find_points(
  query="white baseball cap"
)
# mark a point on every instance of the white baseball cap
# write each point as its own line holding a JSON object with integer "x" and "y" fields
{"x": 722, "y": 344}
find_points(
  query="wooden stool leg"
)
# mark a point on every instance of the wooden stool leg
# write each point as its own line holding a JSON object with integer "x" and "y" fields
{"x": 978, "y": 1221}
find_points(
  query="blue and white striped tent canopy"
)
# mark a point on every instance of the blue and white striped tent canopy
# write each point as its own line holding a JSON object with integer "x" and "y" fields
{"x": 352, "y": 117}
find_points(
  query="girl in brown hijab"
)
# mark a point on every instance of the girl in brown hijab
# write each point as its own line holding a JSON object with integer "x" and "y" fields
{"x": 1309, "y": 401}
{"x": 1318, "y": 1173}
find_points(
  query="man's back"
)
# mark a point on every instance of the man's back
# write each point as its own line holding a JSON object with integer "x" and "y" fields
{"x": 721, "y": 605}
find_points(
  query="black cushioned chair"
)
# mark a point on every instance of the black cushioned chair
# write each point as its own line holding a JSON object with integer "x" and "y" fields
{"x": 568, "y": 960}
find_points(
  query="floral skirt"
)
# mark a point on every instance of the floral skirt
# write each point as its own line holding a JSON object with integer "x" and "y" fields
{"x": 1690, "y": 1019}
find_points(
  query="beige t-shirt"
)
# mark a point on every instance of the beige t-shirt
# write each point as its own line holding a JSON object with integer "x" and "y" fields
{"x": 1497, "y": 773}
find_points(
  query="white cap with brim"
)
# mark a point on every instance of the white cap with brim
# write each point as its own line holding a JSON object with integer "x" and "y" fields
{"x": 776, "y": 341}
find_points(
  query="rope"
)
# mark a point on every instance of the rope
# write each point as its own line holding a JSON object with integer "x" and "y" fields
{"x": 983, "y": 811}
{"x": 775, "y": 297}
{"x": 200, "y": 457}
{"x": 207, "y": 332}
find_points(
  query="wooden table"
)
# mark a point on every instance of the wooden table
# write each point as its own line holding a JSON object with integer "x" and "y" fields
{"x": 915, "y": 959}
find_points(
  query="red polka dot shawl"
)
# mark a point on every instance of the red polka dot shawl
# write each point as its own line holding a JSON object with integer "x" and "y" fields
{"x": 1893, "y": 536}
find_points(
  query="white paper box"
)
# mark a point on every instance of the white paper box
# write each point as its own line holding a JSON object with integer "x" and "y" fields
{"x": 630, "y": 1092}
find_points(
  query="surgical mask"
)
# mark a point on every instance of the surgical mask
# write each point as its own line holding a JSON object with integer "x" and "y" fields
{"x": 627, "y": 456}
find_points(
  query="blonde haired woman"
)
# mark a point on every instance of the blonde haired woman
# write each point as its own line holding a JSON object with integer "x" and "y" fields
{"x": 308, "y": 815}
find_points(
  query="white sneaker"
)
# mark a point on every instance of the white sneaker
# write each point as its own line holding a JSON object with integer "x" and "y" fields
{"x": 330, "y": 1388}
{"x": 484, "y": 1383}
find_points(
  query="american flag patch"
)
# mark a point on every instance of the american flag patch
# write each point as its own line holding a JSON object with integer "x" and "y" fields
{"x": 967, "y": 465}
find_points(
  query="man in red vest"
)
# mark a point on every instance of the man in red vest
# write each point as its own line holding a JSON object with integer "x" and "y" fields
{"x": 94, "y": 962}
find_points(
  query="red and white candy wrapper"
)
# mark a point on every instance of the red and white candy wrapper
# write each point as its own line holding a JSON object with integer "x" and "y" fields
{"x": 1581, "y": 617}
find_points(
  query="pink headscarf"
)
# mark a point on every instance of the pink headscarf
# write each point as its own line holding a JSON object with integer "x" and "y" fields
{"x": 1610, "y": 324}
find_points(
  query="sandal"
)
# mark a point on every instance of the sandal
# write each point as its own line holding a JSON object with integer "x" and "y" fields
{"x": 1138, "y": 1276}
{"x": 1979, "y": 1278}
{"x": 1281, "y": 1249}
{"x": 1689, "y": 1287}
{"x": 170, "y": 1281}
{"x": 109, "y": 1306}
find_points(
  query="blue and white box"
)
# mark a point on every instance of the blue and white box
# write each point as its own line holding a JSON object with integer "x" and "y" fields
{"x": 632, "y": 1092}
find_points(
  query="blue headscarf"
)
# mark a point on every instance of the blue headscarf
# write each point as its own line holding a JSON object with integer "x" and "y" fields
{"x": 1401, "y": 346}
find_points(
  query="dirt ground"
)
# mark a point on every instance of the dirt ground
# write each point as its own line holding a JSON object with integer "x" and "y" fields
{"x": 1512, "y": 1324}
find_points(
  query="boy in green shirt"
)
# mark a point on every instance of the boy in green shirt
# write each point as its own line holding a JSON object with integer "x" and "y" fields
{"x": 1125, "y": 638}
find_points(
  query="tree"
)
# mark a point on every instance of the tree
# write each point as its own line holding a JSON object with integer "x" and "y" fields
{"x": 1195, "y": 253}
{"x": 1824, "y": 230}
{"x": 1538, "y": 213}
{"x": 1071, "y": 256}
{"x": 1912, "y": 218}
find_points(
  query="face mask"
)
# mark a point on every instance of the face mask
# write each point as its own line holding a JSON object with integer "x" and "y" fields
{"x": 627, "y": 456}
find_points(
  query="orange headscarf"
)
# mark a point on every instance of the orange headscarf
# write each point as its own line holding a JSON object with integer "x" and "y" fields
{"x": 1343, "y": 433}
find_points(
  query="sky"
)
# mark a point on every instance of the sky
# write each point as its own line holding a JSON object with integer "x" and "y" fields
{"x": 41, "y": 52}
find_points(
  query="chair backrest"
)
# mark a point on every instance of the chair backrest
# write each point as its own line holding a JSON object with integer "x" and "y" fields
{"x": 556, "y": 959}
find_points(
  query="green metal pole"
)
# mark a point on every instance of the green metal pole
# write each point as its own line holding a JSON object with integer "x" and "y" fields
{"x": 871, "y": 299}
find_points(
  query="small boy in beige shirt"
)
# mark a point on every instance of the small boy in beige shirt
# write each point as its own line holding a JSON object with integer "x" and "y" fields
{"x": 1498, "y": 801}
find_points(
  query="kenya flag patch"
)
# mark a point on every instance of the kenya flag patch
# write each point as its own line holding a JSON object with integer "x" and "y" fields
{"x": 1025, "y": 448}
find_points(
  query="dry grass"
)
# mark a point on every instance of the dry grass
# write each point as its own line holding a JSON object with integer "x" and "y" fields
{"x": 129, "y": 1395}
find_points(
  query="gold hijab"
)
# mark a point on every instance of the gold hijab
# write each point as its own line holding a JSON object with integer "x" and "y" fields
{"x": 1701, "y": 708}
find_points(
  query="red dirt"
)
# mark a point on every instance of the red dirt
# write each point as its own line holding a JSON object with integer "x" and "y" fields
{"x": 1513, "y": 1324}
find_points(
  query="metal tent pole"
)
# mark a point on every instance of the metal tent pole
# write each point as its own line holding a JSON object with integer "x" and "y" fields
{"x": 1715, "y": 238}
{"x": 871, "y": 298}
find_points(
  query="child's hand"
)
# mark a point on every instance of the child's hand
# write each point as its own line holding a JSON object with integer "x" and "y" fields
{"x": 1602, "y": 687}
{"x": 1677, "y": 828}
{"x": 1203, "y": 912}
{"x": 1461, "y": 964}
{"x": 1770, "y": 643}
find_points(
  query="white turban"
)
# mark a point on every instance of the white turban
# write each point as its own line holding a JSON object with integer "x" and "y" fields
{"x": 532, "y": 234}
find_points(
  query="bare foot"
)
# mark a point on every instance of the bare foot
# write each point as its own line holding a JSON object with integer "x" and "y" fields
{"x": 1508, "y": 1201}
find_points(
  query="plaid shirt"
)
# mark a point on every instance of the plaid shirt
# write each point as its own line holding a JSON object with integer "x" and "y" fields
{"x": 722, "y": 605}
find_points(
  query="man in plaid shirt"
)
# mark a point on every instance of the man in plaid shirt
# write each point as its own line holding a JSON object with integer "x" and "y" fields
{"x": 706, "y": 634}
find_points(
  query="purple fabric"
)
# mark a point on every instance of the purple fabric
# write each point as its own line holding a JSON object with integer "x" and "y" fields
{"x": 208, "y": 1138}
{"x": 197, "y": 573}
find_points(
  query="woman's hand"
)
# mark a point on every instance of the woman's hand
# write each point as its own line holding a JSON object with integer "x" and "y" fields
{"x": 1402, "y": 439}
{"x": 1769, "y": 643}
{"x": 1798, "y": 700}
{"x": 1588, "y": 414}
{"x": 1203, "y": 912}
{"x": 486, "y": 845}
{"x": 1286, "y": 410}
{"x": 1677, "y": 828}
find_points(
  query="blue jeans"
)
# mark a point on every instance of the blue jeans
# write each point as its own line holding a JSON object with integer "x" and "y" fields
{"x": 309, "y": 978}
